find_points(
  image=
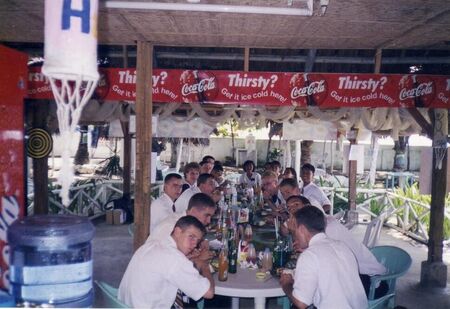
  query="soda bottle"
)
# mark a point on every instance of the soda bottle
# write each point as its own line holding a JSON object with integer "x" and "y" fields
{"x": 223, "y": 262}
{"x": 267, "y": 261}
{"x": 232, "y": 252}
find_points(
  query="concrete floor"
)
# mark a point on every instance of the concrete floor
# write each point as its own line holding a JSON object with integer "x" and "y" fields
{"x": 112, "y": 249}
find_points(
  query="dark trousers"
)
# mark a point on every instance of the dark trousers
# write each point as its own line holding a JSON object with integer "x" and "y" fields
{"x": 380, "y": 291}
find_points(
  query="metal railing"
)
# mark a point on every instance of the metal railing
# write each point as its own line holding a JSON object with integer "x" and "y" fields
{"x": 89, "y": 199}
{"x": 410, "y": 215}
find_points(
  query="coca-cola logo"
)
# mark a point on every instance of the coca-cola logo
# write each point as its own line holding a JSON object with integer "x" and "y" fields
{"x": 421, "y": 90}
{"x": 198, "y": 86}
{"x": 311, "y": 89}
{"x": 102, "y": 89}
{"x": 308, "y": 89}
{"x": 202, "y": 86}
{"x": 416, "y": 90}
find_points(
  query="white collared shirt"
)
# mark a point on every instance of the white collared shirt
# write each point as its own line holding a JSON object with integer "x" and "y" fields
{"x": 181, "y": 204}
{"x": 155, "y": 273}
{"x": 367, "y": 262}
{"x": 165, "y": 227}
{"x": 312, "y": 191}
{"x": 159, "y": 210}
{"x": 254, "y": 180}
{"x": 327, "y": 276}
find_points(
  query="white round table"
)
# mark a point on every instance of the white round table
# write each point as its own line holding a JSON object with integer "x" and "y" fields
{"x": 244, "y": 284}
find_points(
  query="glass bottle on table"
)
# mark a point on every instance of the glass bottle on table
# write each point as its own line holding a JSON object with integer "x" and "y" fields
{"x": 280, "y": 253}
{"x": 223, "y": 261}
{"x": 251, "y": 255}
{"x": 232, "y": 252}
{"x": 267, "y": 260}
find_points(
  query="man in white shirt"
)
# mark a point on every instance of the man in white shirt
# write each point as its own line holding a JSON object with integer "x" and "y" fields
{"x": 164, "y": 205}
{"x": 310, "y": 190}
{"x": 200, "y": 206}
{"x": 205, "y": 184}
{"x": 289, "y": 187}
{"x": 368, "y": 264}
{"x": 159, "y": 269}
{"x": 250, "y": 177}
{"x": 327, "y": 272}
{"x": 191, "y": 173}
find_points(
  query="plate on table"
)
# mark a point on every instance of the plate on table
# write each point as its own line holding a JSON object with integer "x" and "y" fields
{"x": 215, "y": 244}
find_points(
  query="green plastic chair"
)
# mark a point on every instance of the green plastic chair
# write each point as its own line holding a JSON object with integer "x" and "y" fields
{"x": 110, "y": 295}
{"x": 397, "y": 262}
{"x": 111, "y": 301}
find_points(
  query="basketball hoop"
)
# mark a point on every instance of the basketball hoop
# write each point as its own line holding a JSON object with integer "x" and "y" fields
{"x": 71, "y": 68}
{"x": 440, "y": 136}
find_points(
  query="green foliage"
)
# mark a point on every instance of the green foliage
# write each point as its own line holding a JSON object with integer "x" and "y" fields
{"x": 412, "y": 192}
{"x": 275, "y": 154}
{"x": 225, "y": 129}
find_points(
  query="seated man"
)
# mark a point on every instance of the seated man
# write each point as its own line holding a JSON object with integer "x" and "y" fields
{"x": 289, "y": 187}
{"x": 207, "y": 164}
{"x": 200, "y": 206}
{"x": 327, "y": 272}
{"x": 205, "y": 184}
{"x": 158, "y": 269}
{"x": 269, "y": 186}
{"x": 163, "y": 206}
{"x": 250, "y": 177}
{"x": 368, "y": 264}
{"x": 191, "y": 173}
{"x": 310, "y": 190}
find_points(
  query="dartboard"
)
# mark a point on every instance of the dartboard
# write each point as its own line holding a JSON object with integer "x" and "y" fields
{"x": 39, "y": 144}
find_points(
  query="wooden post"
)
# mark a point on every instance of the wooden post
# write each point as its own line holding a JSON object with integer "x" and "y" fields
{"x": 438, "y": 194}
{"x": 40, "y": 166}
{"x": 144, "y": 106}
{"x": 126, "y": 142}
{"x": 433, "y": 272}
{"x": 126, "y": 158}
{"x": 352, "y": 168}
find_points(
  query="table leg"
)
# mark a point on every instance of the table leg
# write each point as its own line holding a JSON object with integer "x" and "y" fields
{"x": 235, "y": 302}
{"x": 260, "y": 302}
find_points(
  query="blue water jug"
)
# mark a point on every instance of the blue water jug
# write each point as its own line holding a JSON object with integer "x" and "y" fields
{"x": 51, "y": 260}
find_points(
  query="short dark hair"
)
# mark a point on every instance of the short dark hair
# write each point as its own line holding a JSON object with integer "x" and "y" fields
{"x": 191, "y": 166}
{"x": 205, "y": 158}
{"x": 187, "y": 221}
{"x": 200, "y": 201}
{"x": 171, "y": 176}
{"x": 312, "y": 218}
{"x": 276, "y": 164}
{"x": 218, "y": 168}
{"x": 203, "y": 178}
{"x": 291, "y": 182}
{"x": 292, "y": 171}
{"x": 300, "y": 198}
{"x": 309, "y": 167}
{"x": 247, "y": 163}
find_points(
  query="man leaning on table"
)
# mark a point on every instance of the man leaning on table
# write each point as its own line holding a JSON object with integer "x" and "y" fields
{"x": 159, "y": 269}
{"x": 326, "y": 274}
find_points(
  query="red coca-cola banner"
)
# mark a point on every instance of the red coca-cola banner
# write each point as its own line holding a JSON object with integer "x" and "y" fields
{"x": 280, "y": 89}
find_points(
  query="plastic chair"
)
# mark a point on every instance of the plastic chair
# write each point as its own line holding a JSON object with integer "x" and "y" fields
{"x": 111, "y": 301}
{"x": 397, "y": 262}
{"x": 373, "y": 231}
{"x": 110, "y": 295}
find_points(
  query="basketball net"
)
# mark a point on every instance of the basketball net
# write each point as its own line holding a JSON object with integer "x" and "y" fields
{"x": 440, "y": 136}
{"x": 70, "y": 53}
{"x": 71, "y": 96}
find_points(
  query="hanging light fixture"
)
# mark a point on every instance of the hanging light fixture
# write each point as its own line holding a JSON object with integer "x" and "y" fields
{"x": 307, "y": 10}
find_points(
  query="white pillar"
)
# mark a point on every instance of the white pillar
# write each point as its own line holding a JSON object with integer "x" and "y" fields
{"x": 298, "y": 153}
{"x": 180, "y": 149}
{"x": 189, "y": 150}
